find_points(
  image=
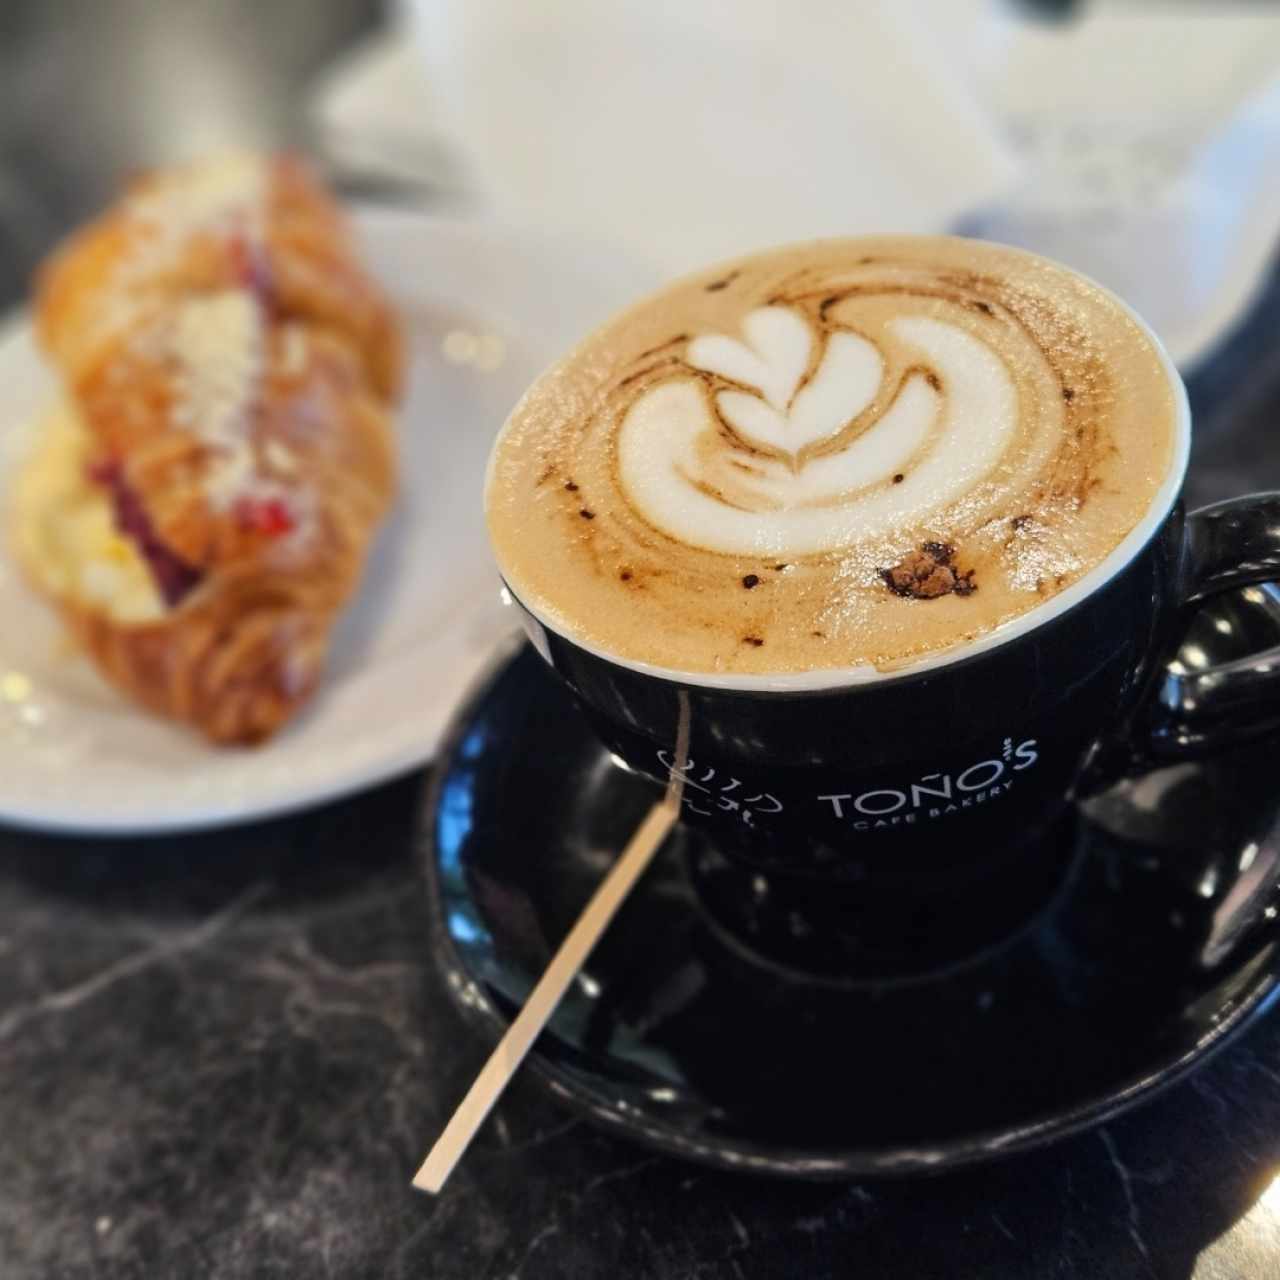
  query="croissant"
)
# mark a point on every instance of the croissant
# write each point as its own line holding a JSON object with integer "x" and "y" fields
{"x": 201, "y": 504}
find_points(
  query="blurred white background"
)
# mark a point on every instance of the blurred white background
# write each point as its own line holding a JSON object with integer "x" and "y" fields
{"x": 1139, "y": 142}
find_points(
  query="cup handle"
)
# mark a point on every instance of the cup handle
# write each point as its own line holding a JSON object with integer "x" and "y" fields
{"x": 1189, "y": 714}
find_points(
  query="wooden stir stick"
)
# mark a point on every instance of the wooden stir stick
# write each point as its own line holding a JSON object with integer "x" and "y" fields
{"x": 497, "y": 1071}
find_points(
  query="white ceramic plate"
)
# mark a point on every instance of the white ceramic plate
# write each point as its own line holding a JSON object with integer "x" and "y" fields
{"x": 76, "y": 756}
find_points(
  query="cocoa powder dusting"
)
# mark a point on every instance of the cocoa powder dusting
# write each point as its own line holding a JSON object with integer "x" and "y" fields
{"x": 716, "y": 285}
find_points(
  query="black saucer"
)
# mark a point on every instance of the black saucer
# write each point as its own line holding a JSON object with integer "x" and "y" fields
{"x": 676, "y": 1036}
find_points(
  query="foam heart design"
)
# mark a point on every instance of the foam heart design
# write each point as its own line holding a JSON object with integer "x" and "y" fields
{"x": 926, "y": 450}
{"x": 774, "y": 360}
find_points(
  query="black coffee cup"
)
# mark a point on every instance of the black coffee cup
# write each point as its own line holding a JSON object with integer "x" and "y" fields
{"x": 892, "y": 822}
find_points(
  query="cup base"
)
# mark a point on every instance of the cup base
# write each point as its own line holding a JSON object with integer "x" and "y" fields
{"x": 853, "y": 935}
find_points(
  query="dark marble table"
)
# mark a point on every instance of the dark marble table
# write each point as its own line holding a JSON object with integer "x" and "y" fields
{"x": 224, "y": 1055}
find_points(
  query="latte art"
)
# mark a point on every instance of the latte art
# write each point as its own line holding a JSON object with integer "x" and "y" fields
{"x": 727, "y": 477}
{"x": 794, "y": 467}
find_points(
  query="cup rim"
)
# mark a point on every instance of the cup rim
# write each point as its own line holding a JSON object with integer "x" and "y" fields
{"x": 828, "y": 679}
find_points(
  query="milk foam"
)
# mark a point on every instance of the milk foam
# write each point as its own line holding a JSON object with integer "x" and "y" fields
{"x": 853, "y": 453}
{"x": 814, "y": 475}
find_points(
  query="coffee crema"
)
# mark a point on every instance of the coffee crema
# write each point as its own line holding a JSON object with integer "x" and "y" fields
{"x": 855, "y": 452}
